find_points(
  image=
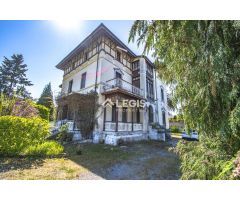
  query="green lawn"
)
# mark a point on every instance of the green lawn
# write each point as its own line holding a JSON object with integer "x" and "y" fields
{"x": 72, "y": 166}
{"x": 140, "y": 160}
{"x": 176, "y": 135}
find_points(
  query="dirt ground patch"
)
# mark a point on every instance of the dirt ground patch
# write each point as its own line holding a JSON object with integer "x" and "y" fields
{"x": 143, "y": 160}
{"x": 152, "y": 161}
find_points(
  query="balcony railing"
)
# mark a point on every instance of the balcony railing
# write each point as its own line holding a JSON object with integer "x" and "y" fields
{"x": 127, "y": 126}
{"x": 121, "y": 84}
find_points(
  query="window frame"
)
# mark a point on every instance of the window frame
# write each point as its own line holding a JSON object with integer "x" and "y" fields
{"x": 162, "y": 94}
{"x": 114, "y": 113}
{"x": 70, "y": 85}
{"x": 120, "y": 56}
{"x": 124, "y": 115}
{"x": 83, "y": 84}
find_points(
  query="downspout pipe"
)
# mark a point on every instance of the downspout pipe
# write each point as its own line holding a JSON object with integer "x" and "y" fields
{"x": 95, "y": 88}
{"x": 156, "y": 95}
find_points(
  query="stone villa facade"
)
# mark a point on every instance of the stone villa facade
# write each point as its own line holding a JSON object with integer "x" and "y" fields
{"x": 105, "y": 64}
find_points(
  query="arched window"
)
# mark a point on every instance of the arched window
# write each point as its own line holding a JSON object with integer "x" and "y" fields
{"x": 164, "y": 117}
{"x": 150, "y": 114}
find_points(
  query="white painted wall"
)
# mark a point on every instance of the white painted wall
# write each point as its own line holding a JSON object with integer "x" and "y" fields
{"x": 160, "y": 103}
{"x": 106, "y": 72}
{"x": 89, "y": 67}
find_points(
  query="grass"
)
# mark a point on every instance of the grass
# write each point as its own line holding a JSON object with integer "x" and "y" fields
{"x": 176, "y": 135}
{"x": 94, "y": 157}
{"x": 47, "y": 169}
{"x": 140, "y": 160}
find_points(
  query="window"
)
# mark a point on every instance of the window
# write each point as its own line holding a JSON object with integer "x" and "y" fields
{"x": 85, "y": 56}
{"x": 164, "y": 118}
{"x": 70, "y": 84}
{"x": 135, "y": 65}
{"x": 149, "y": 69}
{"x": 162, "y": 94}
{"x": 150, "y": 114}
{"x": 138, "y": 115}
{"x": 150, "y": 89}
{"x": 124, "y": 115}
{"x": 114, "y": 113}
{"x": 83, "y": 80}
{"x": 136, "y": 82}
{"x": 118, "y": 56}
{"x": 118, "y": 79}
{"x": 118, "y": 75}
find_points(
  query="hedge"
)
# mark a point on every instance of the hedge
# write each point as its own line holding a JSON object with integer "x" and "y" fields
{"x": 18, "y": 133}
{"x": 48, "y": 148}
{"x": 43, "y": 111}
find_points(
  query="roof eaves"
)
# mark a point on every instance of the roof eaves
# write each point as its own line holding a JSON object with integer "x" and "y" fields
{"x": 103, "y": 27}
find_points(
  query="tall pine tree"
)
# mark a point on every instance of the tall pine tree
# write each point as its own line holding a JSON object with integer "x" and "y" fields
{"x": 13, "y": 76}
{"x": 46, "y": 99}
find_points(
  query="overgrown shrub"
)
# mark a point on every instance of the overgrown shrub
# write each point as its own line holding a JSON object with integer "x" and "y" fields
{"x": 47, "y": 148}
{"x": 43, "y": 111}
{"x": 6, "y": 104}
{"x": 236, "y": 171}
{"x": 204, "y": 160}
{"x": 18, "y": 133}
{"x": 175, "y": 129}
{"x": 24, "y": 108}
{"x": 84, "y": 107}
{"x": 154, "y": 125}
{"x": 64, "y": 135}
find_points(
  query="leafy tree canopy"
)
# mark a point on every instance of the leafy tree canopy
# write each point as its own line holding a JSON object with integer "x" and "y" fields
{"x": 202, "y": 60}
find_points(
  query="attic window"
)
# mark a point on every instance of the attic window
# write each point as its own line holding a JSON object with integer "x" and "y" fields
{"x": 86, "y": 56}
{"x": 118, "y": 56}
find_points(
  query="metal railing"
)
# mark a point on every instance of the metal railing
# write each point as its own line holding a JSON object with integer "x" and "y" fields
{"x": 123, "y": 126}
{"x": 122, "y": 84}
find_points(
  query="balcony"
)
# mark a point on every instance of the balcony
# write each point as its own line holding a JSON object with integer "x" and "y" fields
{"x": 118, "y": 84}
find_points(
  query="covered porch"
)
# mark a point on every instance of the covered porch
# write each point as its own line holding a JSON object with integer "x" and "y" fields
{"x": 118, "y": 118}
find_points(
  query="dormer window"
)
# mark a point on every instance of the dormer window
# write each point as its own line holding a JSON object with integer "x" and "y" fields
{"x": 118, "y": 56}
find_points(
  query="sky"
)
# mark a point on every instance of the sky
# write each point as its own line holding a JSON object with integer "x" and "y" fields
{"x": 45, "y": 43}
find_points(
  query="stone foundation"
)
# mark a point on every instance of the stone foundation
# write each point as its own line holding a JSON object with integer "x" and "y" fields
{"x": 154, "y": 135}
{"x": 114, "y": 138}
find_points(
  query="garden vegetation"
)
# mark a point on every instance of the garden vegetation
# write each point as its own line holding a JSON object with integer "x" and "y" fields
{"x": 25, "y": 136}
{"x": 24, "y": 125}
{"x": 200, "y": 61}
